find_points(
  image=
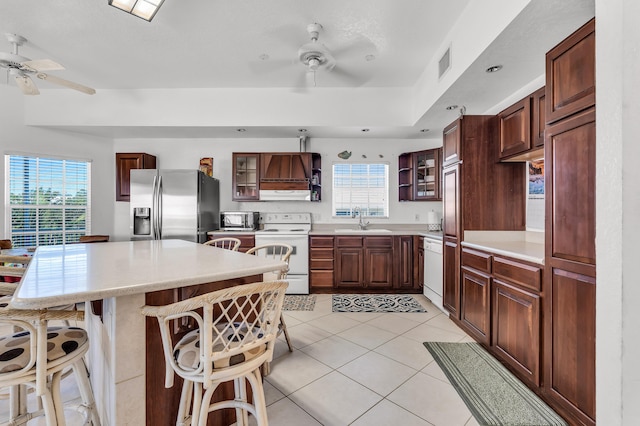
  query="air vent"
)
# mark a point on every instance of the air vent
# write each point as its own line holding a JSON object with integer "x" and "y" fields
{"x": 445, "y": 63}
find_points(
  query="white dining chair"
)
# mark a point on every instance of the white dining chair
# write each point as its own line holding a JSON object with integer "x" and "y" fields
{"x": 228, "y": 243}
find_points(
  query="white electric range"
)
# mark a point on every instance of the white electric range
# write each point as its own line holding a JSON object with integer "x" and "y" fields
{"x": 292, "y": 229}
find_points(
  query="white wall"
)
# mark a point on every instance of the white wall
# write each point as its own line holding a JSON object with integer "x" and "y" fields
{"x": 617, "y": 207}
{"x": 186, "y": 153}
{"x": 16, "y": 137}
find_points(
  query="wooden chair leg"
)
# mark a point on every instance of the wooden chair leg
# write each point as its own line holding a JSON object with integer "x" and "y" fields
{"x": 283, "y": 326}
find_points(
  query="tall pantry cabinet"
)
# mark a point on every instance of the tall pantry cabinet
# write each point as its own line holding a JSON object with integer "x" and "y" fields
{"x": 479, "y": 193}
{"x": 570, "y": 260}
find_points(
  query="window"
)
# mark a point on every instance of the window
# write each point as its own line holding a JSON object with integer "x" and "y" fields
{"x": 362, "y": 185}
{"x": 48, "y": 200}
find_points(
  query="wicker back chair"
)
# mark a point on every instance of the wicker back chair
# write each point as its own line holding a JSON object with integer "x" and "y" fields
{"x": 12, "y": 268}
{"x": 276, "y": 251}
{"x": 35, "y": 355}
{"x": 235, "y": 336}
{"x": 93, "y": 239}
{"x": 5, "y": 244}
{"x": 228, "y": 243}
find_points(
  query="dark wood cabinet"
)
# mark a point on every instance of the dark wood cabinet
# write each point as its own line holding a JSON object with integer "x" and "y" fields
{"x": 349, "y": 261}
{"x": 378, "y": 262}
{"x": 522, "y": 128}
{"x": 516, "y": 329}
{"x": 451, "y": 147}
{"x": 418, "y": 265}
{"x": 538, "y": 120}
{"x": 451, "y": 276}
{"x": 321, "y": 264}
{"x": 570, "y": 255}
{"x": 479, "y": 193}
{"x": 247, "y": 241}
{"x": 404, "y": 258}
{"x": 419, "y": 175}
{"x": 125, "y": 162}
{"x": 515, "y": 128}
{"x": 571, "y": 74}
{"x": 372, "y": 263}
{"x": 246, "y": 174}
{"x": 475, "y": 294}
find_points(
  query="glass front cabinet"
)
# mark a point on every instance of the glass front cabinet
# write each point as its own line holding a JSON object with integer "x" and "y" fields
{"x": 419, "y": 176}
{"x": 245, "y": 176}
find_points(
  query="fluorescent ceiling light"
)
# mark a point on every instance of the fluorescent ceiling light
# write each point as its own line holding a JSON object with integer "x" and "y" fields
{"x": 145, "y": 9}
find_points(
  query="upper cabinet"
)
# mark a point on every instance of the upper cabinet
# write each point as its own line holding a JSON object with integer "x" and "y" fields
{"x": 275, "y": 171}
{"x": 522, "y": 128}
{"x": 571, "y": 65}
{"x": 245, "y": 176}
{"x": 125, "y": 162}
{"x": 419, "y": 175}
{"x": 451, "y": 152}
{"x": 515, "y": 128}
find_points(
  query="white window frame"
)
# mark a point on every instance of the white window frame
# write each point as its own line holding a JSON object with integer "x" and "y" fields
{"x": 366, "y": 206}
{"x": 38, "y": 234}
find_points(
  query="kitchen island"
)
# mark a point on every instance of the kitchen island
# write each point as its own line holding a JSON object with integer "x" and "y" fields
{"x": 125, "y": 355}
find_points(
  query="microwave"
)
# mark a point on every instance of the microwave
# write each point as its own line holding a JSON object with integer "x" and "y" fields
{"x": 239, "y": 221}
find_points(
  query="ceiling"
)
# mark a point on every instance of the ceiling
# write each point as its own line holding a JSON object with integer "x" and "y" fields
{"x": 254, "y": 44}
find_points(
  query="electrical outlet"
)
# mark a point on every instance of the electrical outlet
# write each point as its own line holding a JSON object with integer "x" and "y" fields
{"x": 417, "y": 217}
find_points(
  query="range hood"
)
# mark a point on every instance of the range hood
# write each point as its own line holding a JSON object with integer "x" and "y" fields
{"x": 285, "y": 176}
{"x": 285, "y": 195}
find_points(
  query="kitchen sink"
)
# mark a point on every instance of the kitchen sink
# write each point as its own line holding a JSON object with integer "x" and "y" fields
{"x": 363, "y": 231}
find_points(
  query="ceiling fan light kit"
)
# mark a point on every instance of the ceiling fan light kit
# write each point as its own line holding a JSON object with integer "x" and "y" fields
{"x": 21, "y": 69}
{"x": 145, "y": 9}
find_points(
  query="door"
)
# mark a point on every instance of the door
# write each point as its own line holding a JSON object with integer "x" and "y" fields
{"x": 178, "y": 204}
{"x": 474, "y": 305}
{"x": 451, "y": 284}
{"x": 451, "y": 200}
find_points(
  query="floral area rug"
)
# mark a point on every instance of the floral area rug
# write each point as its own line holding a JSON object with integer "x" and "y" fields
{"x": 376, "y": 303}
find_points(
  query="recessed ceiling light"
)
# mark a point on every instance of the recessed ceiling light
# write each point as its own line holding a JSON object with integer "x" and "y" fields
{"x": 264, "y": 57}
{"x": 424, "y": 130}
{"x": 241, "y": 130}
{"x": 452, "y": 107}
{"x": 365, "y": 130}
{"x": 494, "y": 68}
{"x": 370, "y": 57}
{"x": 302, "y": 130}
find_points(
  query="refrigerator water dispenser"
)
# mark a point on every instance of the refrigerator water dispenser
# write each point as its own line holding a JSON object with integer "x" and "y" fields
{"x": 142, "y": 221}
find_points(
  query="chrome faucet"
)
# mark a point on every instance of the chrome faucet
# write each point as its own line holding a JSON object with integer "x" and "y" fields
{"x": 361, "y": 223}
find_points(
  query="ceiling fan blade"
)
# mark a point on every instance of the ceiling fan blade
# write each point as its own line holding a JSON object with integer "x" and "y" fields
{"x": 43, "y": 65}
{"x": 66, "y": 83}
{"x": 349, "y": 77}
{"x": 25, "y": 84}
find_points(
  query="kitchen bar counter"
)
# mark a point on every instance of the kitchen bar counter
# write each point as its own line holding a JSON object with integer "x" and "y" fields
{"x": 527, "y": 246}
{"x": 125, "y": 355}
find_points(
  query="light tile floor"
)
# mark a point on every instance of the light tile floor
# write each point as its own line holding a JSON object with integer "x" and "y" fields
{"x": 362, "y": 369}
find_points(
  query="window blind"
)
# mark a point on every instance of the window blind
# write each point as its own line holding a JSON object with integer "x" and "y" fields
{"x": 49, "y": 200}
{"x": 363, "y": 185}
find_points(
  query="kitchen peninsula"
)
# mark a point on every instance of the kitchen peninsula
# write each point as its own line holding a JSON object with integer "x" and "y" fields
{"x": 125, "y": 357}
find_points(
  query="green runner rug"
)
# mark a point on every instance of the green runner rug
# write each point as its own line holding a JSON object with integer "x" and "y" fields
{"x": 492, "y": 393}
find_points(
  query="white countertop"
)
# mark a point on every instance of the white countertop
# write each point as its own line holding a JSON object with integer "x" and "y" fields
{"x": 373, "y": 229}
{"x": 59, "y": 275}
{"x": 523, "y": 245}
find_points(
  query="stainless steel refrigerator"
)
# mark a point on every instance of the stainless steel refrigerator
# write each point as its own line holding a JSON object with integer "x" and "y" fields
{"x": 173, "y": 204}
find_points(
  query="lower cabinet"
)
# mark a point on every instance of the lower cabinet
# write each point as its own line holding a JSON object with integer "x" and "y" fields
{"x": 355, "y": 263}
{"x": 451, "y": 276}
{"x": 474, "y": 307}
{"x": 516, "y": 329}
{"x": 500, "y": 307}
{"x": 321, "y": 264}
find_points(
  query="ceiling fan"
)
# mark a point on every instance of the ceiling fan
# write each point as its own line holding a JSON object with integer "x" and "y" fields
{"x": 22, "y": 69}
{"x": 315, "y": 56}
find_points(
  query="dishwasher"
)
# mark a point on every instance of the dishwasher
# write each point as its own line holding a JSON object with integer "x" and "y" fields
{"x": 433, "y": 283}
